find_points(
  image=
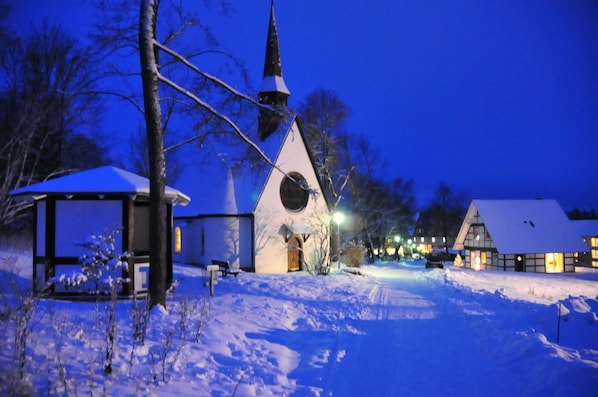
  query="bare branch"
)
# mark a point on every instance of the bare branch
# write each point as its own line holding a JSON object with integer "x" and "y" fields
{"x": 218, "y": 115}
{"x": 209, "y": 76}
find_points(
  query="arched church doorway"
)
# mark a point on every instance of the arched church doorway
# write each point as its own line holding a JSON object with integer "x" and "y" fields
{"x": 295, "y": 254}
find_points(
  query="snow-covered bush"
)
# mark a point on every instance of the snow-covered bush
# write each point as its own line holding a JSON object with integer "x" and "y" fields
{"x": 101, "y": 269}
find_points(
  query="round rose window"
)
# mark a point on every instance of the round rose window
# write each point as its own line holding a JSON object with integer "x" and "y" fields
{"x": 293, "y": 192}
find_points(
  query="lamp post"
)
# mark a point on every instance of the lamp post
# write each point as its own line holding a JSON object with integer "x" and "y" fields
{"x": 338, "y": 218}
{"x": 397, "y": 240}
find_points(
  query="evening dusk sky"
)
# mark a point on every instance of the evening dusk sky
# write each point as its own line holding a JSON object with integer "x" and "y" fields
{"x": 498, "y": 99}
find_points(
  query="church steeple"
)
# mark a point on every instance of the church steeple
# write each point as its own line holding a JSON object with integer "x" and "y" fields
{"x": 274, "y": 91}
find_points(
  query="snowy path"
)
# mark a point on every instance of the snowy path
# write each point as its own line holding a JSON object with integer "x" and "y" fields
{"x": 410, "y": 327}
{"x": 415, "y": 325}
{"x": 398, "y": 330}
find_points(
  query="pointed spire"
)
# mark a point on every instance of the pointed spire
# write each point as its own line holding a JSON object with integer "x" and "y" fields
{"x": 274, "y": 91}
{"x": 272, "y": 63}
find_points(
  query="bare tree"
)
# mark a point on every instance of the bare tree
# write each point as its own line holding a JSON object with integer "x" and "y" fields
{"x": 45, "y": 105}
{"x": 324, "y": 115}
{"x": 148, "y": 56}
{"x": 153, "y": 54}
{"x": 445, "y": 214}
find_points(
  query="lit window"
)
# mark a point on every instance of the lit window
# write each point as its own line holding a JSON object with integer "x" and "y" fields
{"x": 178, "y": 239}
{"x": 421, "y": 239}
{"x": 484, "y": 257}
{"x": 475, "y": 260}
{"x": 433, "y": 239}
{"x": 554, "y": 263}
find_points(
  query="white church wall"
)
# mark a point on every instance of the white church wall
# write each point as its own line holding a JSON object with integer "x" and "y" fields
{"x": 270, "y": 214}
{"x": 221, "y": 238}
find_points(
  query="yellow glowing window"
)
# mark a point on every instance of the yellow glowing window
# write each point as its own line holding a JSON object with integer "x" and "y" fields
{"x": 484, "y": 257}
{"x": 178, "y": 239}
{"x": 594, "y": 242}
{"x": 554, "y": 263}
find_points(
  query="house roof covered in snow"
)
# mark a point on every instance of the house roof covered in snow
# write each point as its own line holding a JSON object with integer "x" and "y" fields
{"x": 523, "y": 226}
{"x": 586, "y": 227}
{"x": 97, "y": 181}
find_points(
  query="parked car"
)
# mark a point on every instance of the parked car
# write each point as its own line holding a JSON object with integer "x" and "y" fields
{"x": 435, "y": 259}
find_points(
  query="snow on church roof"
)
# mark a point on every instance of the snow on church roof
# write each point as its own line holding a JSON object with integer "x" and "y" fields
{"x": 274, "y": 84}
{"x": 208, "y": 184}
{"x": 102, "y": 180}
{"x": 524, "y": 226}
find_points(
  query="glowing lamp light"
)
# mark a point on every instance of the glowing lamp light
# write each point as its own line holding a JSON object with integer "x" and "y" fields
{"x": 338, "y": 217}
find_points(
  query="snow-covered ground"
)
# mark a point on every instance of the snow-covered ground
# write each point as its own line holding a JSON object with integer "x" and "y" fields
{"x": 397, "y": 329}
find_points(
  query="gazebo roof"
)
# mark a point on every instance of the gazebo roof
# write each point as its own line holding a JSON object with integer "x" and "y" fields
{"x": 100, "y": 181}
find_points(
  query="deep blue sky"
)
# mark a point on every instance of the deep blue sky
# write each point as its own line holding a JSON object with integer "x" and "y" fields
{"x": 499, "y": 99}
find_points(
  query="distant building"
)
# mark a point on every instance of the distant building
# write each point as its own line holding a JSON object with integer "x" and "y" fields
{"x": 588, "y": 228}
{"x": 519, "y": 235}
{"x": 70, "y": 209}
{"x": 426, "y": 239}
{"x": 272, "y": 221}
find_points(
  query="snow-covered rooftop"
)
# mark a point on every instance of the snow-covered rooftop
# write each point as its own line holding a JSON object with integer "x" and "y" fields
{"x": 524, "y": 226}
{"x": 96, "y": 181}
{"x": 274, "y": 84}
{"x": 210, "y": 186}
{"x": 586, "y": 227}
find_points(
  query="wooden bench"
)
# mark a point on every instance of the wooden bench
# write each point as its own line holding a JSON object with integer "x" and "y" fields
{"x": 225, "y": 268}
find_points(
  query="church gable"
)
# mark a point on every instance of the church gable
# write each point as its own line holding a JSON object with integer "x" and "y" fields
{"x": 294, "y": 160}
{"x": 290, "y": 218}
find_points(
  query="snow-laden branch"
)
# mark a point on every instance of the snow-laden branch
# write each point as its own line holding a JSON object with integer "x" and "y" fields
{"x": 219, "y": 115}
{"x": 208, "y": 76}
{"x": 231, "y": 123}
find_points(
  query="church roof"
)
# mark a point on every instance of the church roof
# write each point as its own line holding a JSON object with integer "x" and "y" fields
{"x": 96, "y": 181}
{"x": 524, "y": 226}
{"x": 208, "y": 184}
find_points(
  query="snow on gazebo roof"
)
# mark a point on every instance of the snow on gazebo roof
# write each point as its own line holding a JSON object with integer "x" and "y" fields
{"x": 97, "y": 181}
{"x": 524, "y": 226}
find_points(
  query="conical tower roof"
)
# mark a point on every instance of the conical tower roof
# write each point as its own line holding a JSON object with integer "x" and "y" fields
{"x": 273, "y": 80}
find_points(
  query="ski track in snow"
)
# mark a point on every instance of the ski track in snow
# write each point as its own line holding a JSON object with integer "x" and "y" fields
{"x": 396, "y": 330}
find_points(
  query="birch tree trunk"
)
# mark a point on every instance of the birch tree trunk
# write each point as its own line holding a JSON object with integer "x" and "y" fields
{"x": 157, "y": 164}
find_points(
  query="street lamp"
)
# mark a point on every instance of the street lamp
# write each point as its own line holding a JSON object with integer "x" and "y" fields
{"x": 397, "y": 240}
{"x": 338, "y": 218}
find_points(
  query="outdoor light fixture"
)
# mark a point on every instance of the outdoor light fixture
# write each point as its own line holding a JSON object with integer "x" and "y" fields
{"x": 338, "y": 218}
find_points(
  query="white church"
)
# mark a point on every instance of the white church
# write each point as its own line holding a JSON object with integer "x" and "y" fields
{"x": 274, "y": 221}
